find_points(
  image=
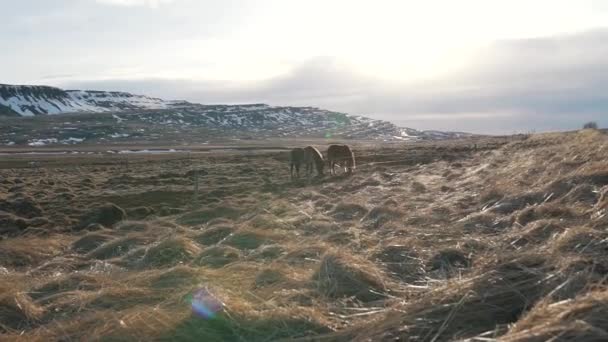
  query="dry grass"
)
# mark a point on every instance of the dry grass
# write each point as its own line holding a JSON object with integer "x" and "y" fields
{"x": 583, "y": 319}
{"x": 170, "y": 252}
{"x": 342, "y": 276}
{"x": 434, "y": 241}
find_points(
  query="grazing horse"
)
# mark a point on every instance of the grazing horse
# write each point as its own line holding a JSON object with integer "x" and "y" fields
{"x": 296, "y": 158}
{"x": 313, "y": 156}
{"x": 341, "y": 155}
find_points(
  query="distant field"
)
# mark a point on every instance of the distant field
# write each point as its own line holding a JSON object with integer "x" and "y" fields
{"x": 432, "y": 241}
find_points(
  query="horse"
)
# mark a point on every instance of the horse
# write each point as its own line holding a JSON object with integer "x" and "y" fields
{"x": 342, "y": 154}
{"x": 313, "y": 156}
{"x": 296, "y": 158}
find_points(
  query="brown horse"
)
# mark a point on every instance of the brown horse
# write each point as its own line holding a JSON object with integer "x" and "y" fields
{"x": 340, "y": 155}
{"x": 313, "y": 156}
{"x": 296, "y": 158}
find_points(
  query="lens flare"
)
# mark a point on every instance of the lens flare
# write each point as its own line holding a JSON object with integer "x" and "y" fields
{"x": 204, "y": 304}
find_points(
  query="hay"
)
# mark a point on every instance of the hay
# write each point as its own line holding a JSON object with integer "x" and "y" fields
{"x": 418, "y": 187}
{"x": 106, "y": 215}
{"x": 71, "y": 282}
{"x": 268, "y": 277}
{"x": 348, "y": 211}
{"x": 449, "y": 262}
{"x": 266, "y": 221}
{"x": 178, "y": 276}
{"x": 497, "y": 296}
{"x": 29, "y": 251}
{"x": 169, "y": 211}
{"x": 12, "y": 225}
{"x": 402, "y": 262}
{"x": 482, "y": 222}
{"x": 304, "y": 255}
{"x": 90, "y": 241}
{"x": 122, "y": 297}
{"x": 203, "y": 216}
{"x": 139, "y": 213}
{"x": 133, "y": 226}
{"x": 537, "y": 232}
{"x": 219, "y": 221}
{"x": 585, "y": 193}
{"x": 246, "y": 240}
{"x": 217, "y": 256}
{"x": 379, "y": 216}
{"x": 116, "y": 247}
{"x": 267, "y": 253}
{"x": 318, "y": 227}
{"x": 579, "y": 275}
{"x": 170, "y": 252}
{"x": 583, "y": 241}
{"x": 213, "y": 235}
{"x": 18, "y": 312}
{"x": 281, "y": 278}
{"x": 341, "y": 238}
{"x": 545, "y": 211}
{"x": 602, "y": 202}
{"x": 511, "y": 204}
{"x": 339, "y": 276}
{"x": 22, "y": 206}
{"x": 583, "y": 319}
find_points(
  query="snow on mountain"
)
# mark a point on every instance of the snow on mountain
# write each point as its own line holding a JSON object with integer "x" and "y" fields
{"x": 39, "y": 100}
{"x": 157, "y": 118}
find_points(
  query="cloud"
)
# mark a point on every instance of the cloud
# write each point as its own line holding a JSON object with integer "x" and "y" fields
{"x": 133, "y": 3}
{"x": 537, "y": 84}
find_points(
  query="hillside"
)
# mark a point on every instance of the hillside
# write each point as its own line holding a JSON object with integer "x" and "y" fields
{"x": 111, "y": 116}
{"x": 504, "y": 239}
{"x": 40, "y": 100}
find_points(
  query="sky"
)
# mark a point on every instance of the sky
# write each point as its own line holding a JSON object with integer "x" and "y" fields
{"x": 481, "y": 66}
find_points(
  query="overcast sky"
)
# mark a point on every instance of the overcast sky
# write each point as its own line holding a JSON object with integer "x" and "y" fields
{"x": 468, "y": 65}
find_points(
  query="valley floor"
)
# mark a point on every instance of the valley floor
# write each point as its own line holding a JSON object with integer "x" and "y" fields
{"x": 452, "y": 240}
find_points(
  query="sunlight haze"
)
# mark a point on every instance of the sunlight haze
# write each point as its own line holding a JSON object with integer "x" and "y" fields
{"x": 381, "y": 58}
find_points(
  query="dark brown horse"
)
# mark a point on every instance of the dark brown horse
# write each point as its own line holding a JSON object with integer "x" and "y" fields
{"x": 312, "y": 156}
{"x": 296, "y": 158}
{"x": 340, "y": 155}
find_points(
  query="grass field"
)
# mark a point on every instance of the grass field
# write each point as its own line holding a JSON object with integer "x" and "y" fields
{"x": 457, "y": 240}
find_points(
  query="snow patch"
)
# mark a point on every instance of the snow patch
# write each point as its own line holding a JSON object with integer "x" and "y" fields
{"x": 118, "y": 118}
{"x": 42, "y": 142}
{"x": 72, "y": 140}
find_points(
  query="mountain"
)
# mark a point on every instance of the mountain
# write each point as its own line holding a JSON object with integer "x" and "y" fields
{"x": 104, "y": 116}
{"x": 37, "y": 100}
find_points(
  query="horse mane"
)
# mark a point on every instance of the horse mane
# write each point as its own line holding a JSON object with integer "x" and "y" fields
{"x": 317, "y": 157}
{"x": 317, "y": 154}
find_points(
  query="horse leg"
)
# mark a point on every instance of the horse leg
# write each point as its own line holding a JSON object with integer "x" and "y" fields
{"x": 298, "y": 171}
{"x": 309, "y": 170}
{"x": 291, "y": 171}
